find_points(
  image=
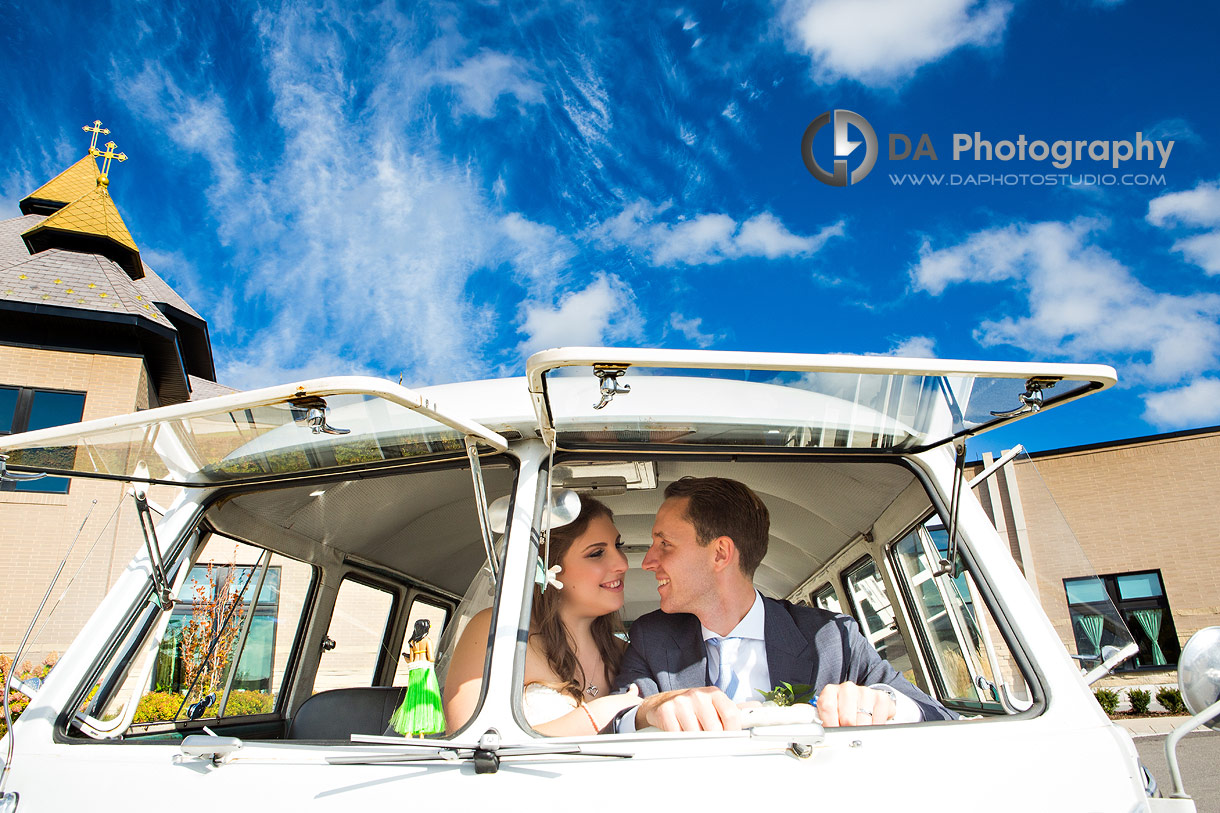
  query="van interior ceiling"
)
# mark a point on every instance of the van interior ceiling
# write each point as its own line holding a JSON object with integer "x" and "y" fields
{"x": 424, "y": 525}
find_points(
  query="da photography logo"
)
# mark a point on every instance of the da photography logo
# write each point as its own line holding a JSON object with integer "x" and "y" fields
{"x": 843, "y": 147}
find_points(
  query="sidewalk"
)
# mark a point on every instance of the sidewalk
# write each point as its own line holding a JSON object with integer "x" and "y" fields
{"x": 1153, "y": 726}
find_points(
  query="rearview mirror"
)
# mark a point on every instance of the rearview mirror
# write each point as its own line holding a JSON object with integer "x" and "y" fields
{"x": 565, "y": 508}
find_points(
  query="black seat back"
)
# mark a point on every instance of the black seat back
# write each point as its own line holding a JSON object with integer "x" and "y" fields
{"x": 338, "y": 713}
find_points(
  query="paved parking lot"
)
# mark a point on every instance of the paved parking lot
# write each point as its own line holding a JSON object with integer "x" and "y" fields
{"x": 1199, "y": 761}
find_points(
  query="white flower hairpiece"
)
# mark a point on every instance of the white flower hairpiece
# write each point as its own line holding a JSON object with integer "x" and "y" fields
{"x": 547, "y": 578}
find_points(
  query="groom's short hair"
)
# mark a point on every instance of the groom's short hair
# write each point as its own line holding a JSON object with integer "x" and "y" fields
{"x": 718, "y": 506}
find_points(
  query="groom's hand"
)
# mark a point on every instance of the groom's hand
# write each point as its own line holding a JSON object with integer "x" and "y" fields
{"x": 703, "y": 709}
{"x": 844, "y": 704}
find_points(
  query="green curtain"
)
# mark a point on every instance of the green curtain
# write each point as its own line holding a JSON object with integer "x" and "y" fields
{"x": 1150, "y": 620}
{"x": 1091, "y": 624}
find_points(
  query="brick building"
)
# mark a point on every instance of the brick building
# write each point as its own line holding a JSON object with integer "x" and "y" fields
{"x": 87, "y": 330}
{"x": 1145, "y": 515}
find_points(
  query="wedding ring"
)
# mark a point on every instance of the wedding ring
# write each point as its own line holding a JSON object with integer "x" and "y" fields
{"x": 864, "y": 711}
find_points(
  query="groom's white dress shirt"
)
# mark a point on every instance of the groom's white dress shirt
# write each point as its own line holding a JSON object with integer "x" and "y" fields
{"x": 749, "y": 663}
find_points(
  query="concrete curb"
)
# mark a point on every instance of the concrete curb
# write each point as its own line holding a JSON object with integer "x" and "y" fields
{"x": 1155, "y": 726}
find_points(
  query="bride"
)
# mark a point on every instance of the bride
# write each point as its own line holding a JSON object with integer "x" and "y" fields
{"x": 573, "y": 653}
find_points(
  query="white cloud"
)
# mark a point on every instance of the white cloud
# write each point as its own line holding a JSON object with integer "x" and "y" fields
{"x": 1083, "y": 303}
{"x": 481, "y": 80}
{"x": 539, "y": 252}
{"x": 1192, "y": 208}
{"x": 920, "y": 347}
{"x": 1203, "y": 250}
{"x": 883, "y": 42}
{"x": 710, "y": 237}
{"x": 690, "y": 328}
{"x": 605, "y": 311}
{"x": 1197, "y": 404}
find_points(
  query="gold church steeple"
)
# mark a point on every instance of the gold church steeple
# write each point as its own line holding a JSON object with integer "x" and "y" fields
{"x": 82, "y": 215}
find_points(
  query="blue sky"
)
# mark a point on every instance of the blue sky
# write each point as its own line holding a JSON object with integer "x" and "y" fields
{"x": 437, "y": 190}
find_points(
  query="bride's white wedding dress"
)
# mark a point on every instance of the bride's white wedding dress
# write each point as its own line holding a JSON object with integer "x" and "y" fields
{"x": 543, "y": 704}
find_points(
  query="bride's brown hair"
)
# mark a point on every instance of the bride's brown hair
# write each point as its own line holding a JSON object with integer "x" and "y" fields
{"x": 545, "y": 623}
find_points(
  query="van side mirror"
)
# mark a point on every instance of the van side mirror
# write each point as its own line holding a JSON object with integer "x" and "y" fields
{"x": 1199, "y": 673}
{"x": 1199, "y": 681}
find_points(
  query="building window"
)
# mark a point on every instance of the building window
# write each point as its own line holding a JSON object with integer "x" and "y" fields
{"x": 23, "y": 409}
{"x": 1142, "y": 604}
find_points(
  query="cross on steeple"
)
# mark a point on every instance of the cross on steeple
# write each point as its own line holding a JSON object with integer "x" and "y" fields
{"x": 109, "y": 153}
{"x": 95, "y": 129}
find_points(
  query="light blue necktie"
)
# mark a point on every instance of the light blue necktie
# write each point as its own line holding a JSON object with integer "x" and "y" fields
{"x": 726, "y": 679}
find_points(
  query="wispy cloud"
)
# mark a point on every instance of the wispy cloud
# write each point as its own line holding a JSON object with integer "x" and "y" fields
{"x": 710, "y": 237}
{"x": 1193, "y": 208}
{"x": 538, "y": 252}
{"x": 1083, "y": 303}
{"x": 691, "y": 330}
{"x": 351, "y": 226}
{"x": 883, "y": 42}
{"x": 481, "y": 80}
{"x": 1173, "y": 130}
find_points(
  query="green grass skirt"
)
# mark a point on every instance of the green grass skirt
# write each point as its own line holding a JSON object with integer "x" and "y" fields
{"x": 421, "y": 711}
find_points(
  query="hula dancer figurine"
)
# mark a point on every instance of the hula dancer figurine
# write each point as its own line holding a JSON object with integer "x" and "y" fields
{"x": 420, "y": 712}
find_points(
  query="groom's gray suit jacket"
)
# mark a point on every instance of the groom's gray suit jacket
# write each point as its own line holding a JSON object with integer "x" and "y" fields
{"x": 804, "y": 645}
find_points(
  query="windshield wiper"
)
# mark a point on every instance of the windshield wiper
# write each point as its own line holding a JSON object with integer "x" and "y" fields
{"x": 485, "y": 755}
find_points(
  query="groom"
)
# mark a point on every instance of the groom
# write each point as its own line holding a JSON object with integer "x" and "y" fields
{"x": 716, "y": 640}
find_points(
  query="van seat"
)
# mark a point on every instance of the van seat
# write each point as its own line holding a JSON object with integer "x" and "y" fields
{"x": 338, "y": 713}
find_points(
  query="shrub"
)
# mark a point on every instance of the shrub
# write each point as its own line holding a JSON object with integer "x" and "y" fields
{"x": 157, "y": 706}
{"x": 247, "y": 702}
{"x": 162, "y": 706}
{"x": 1107, "y": 699}
{"x": 1140, "y": 698}
{"x": 17, "y": 701}
{"x": 1171, "y": 699}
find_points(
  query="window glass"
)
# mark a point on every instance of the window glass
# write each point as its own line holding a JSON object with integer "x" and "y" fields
{"x": 8, "y": 406}
{"x": 1138, "y": 585}
{"x": 827, "y": 599}
{"x": 219, "y": 640}
{"x": 1081, "y": 591}
{"x": 436, "y": 615}
{"x": 24, "y": 409}
{"x": 1144, "y": 608}
{"x": 49, "y": 409}
{"x": 358, "y": 631}
{"x": 875, "y": 613}
{"x": 963, "y": 645}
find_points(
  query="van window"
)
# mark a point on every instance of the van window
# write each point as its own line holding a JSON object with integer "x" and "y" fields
{"x": 875, "y": 613}
{"x": 826, "y": 598}
{"x": 357, "y": 630}
{"x": 436, "y": 615}
{"x": 963, "y": 646}
{"x": 224, "y": 650}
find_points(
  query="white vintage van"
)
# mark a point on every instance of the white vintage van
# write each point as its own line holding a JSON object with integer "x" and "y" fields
{"x": 249, "y": 657}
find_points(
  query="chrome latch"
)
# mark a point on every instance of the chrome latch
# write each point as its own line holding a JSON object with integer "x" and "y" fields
{"x": 311, "y": 410}
{"x": 610, "y": 386}
{"x": 1031, "y": 399}
{"x": 14, "y": 477}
